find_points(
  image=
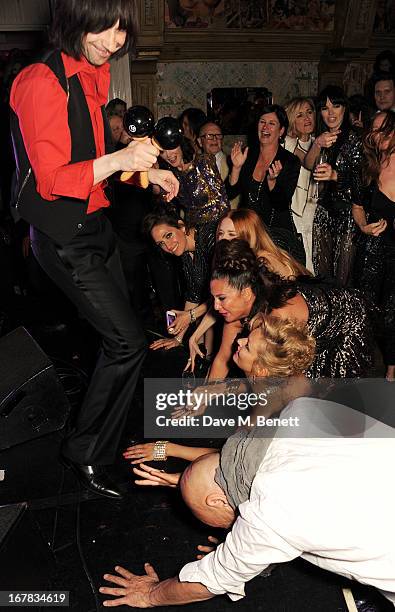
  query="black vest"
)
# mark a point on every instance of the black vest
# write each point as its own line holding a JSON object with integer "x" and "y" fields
{"x": 63, "y": 218}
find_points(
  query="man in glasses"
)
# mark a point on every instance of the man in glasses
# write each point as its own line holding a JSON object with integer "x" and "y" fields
{"x": 210, "y": 141}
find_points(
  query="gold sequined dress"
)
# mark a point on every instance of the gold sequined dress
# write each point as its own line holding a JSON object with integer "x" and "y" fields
{"x": 202, "y": 194}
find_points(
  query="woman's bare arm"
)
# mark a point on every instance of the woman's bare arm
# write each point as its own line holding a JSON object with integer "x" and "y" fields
{"x": 221, "y": 363}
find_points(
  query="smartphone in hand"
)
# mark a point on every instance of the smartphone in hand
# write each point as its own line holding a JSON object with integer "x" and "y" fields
{"x": 170, "y": 318}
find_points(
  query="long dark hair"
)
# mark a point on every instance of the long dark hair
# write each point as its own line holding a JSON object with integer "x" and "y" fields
{"x": 235, "y": 262}
{"x": 196, "y": 118}
{"x": 337, "y": 96}
{"x": 73, "y": 19}
{"x": 188, "y": 152}
{"x": 375, "y": 157}
{"x": 159, "y": 216}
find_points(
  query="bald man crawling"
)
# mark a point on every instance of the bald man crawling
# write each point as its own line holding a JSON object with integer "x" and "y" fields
{"x": 278, "y": 498}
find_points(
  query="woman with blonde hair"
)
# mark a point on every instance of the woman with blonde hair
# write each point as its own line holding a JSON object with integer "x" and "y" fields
{"x": 245, "y": 224}
{"x": 299, "y": 138}
{"x": 275, "y": 348}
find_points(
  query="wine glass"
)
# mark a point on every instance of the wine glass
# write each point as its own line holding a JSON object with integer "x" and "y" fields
{"x": 321, "y": 159}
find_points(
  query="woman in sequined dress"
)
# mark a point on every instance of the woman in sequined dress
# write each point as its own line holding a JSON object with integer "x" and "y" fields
{"x": 377, "y": 222}
{"x": 337, "y": 318}
{"x": 334, "y": 229}
{"x": 265, "y": 174}
{"x": 245, "y": 224}
{"x": 194, "y": 245}
{"x": 202, "y": 195}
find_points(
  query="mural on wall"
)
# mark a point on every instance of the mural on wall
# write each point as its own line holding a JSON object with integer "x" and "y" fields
{"x": 385, "y": 16}
{"x": 311, "y": 15}
{"x": 194, "y": 13}
{"x": 180, "y": 85}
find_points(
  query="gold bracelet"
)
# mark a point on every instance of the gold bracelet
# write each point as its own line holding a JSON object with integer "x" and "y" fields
{"x": 178, "y": 339}
{"x": 192, "y": 315}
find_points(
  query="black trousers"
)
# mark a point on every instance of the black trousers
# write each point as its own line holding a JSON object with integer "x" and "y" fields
{"x": 135, "y": 268}
{"x": 88, "y": 270}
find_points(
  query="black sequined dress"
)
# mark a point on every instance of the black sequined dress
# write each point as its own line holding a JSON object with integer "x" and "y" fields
{"x": 376, "y": 269}
{"x": 339, "y": 322}
{"x": 197, "y": 265}
{"x": 334, "y": 229}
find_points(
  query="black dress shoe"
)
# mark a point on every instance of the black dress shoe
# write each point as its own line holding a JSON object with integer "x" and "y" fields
{"x": 94, "y": 478}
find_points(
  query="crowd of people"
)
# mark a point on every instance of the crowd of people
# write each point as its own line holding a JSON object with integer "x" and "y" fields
{"x": 275, "y": 260}
{"x": 287, "y": 252}
{"x": 311, "y": 192}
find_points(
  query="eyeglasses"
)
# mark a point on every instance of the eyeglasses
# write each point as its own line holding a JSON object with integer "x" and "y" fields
{"x": 212, "y": 136}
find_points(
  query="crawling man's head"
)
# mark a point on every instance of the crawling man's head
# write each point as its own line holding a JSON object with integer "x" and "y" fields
{"x": 206, "y": 500}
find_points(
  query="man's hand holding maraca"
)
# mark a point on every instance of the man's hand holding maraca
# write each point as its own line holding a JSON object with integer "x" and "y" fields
{"x": 166, "y": 133}
{"x": 138, "y": 156}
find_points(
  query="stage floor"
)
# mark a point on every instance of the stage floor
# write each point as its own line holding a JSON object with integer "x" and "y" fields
{"x": 89, "y": 535}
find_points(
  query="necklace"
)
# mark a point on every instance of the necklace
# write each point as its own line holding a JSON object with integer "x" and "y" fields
{"x": 190, "y": 243}
{"x": 257, "y": 196}
{"x": 255, "y": 199}
{"x": 299, "y": 145}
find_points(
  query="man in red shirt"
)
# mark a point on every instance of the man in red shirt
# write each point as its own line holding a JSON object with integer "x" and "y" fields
{"x": 63, "y": 148}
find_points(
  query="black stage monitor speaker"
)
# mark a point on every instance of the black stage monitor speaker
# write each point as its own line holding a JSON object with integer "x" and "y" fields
{"x": 32, "y": 400}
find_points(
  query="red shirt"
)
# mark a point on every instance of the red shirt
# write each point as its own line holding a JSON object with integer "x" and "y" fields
{"x": 40, "y": 103}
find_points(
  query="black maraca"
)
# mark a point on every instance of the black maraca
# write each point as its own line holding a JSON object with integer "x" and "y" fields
{"x": 167, "y": 133}
{"x": 139, "y": 124}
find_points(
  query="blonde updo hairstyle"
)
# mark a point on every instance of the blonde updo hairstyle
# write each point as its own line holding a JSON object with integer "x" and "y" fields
{"x": 286, "y": 348}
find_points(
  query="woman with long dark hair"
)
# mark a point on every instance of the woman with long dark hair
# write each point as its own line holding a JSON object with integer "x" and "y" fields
{"x": 378, "y": 224}
{"x": 340, "y": 172}
{"x": 202, "y": 194}
{"x": 242, "y": 287}
{"x": 194, "y": 246}
{"x": 191, "y": 120}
